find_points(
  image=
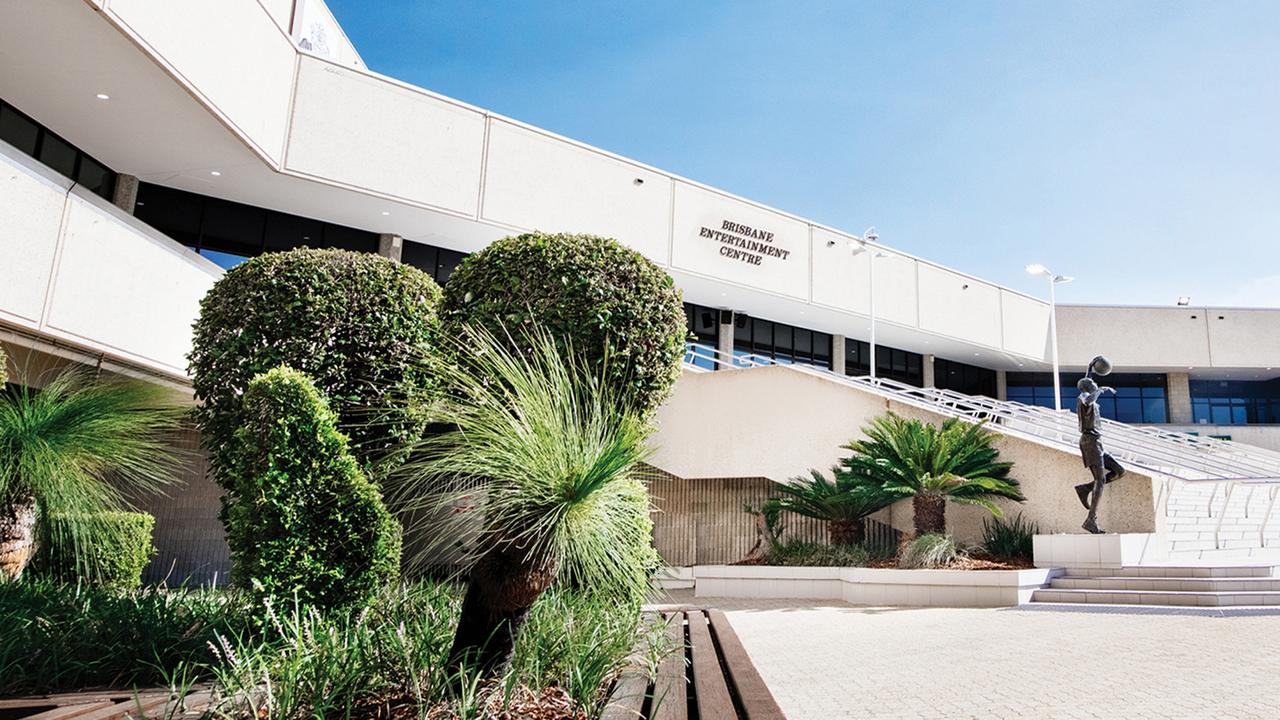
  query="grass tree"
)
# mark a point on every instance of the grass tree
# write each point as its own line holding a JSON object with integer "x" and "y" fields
{"x": 842, "y": 503}
{"x": 72, "y": 449}
{"x": 933, "y": 464}
{"x": 539, "y": 439}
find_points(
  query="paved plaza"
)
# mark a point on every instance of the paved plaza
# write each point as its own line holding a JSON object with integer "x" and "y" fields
{"x": 825, "y": 660}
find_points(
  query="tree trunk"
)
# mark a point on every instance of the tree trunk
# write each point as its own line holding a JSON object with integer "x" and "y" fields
{"x": 930, "y": 514}
{"x": 17, "y": 536}
{"x": 502, "y": 588}
{"x": 847, "y": 532}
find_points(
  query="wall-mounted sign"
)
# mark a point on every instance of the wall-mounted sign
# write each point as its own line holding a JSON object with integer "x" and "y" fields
{"x": 743, "y": 243}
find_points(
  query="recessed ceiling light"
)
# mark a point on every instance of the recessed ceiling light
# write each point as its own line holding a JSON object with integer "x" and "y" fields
{"x": 215, "y": 173}
{"x": 386, "y": 212}
{"x": 976, "y": 354}
{"x": 103, "y": 96}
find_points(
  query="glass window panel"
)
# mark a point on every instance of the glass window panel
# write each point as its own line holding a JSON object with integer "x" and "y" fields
{"x": 232, "y": 227}
{"x": 345, "y": 238}
{"x": 173, "y": 212}
{"x": 822, "y": 348}
{"x": 18, "y": 130}
{"x": 1238, "y": 415}
{"x": 761, "y": 334}
{"x": 782, "y": 338}
{"x": 1220, "y": 414}
{"x": 1129, "y": 410}
{"x": 1154, "y": 410}
{"x": 96, "y": 177}
{"x": 285, "y": 232}
{"x": 803, "y": 342}
{"x": 449, "y": 261}
{"x": 57, "y": 154}
{"x": 423, "y": 257}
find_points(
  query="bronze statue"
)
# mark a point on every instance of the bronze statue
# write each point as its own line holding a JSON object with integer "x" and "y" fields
{"x": 1105, "y": 468}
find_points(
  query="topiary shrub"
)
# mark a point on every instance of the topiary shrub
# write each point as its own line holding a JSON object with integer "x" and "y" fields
{"x": 607, "y": 302}
{"x": 306, "y": 521}
{"x": 121, "y": 547}
{"x": 351, "y": 321}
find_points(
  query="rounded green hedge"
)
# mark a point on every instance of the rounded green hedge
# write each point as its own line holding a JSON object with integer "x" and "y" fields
{"x": 116, "y": 548}
{"x": 303, "y": 520}
{"x": 357, "y": 324}
{"x": 591, "y": 293}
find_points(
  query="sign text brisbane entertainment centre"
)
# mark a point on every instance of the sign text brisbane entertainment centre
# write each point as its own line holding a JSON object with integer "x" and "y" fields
{"x": 742, "y": 242}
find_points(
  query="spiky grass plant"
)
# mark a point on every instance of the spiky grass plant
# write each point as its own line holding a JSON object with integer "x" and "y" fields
{"x": 932, "y": 550}
{"x": 60, "y": 444}
{"x": 933, "y": 464}
{"x": 540, "y": 439}
{"x": 1009, "y": 539}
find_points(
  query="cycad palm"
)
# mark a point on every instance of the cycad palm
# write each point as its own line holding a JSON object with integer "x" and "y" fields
{"x": 933, "y": 464}
{"x": 555, "y": 454}
{"x": 842, "y": 503}
{"x": 61, "y": 443}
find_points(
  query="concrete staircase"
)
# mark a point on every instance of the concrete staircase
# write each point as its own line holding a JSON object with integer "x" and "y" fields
{"x": 1167, "y": 585}
{"x": 1195, "y": 510}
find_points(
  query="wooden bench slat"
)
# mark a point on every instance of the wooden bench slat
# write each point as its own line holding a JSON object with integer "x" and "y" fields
{"x": 710, "y": 686}
{"x": 757, "y": 702}
{"x": 127, "y": 708}
{"x": 670, "y": 690}
{"x": 627, "y": 700}
{"x": 67, "y": 712}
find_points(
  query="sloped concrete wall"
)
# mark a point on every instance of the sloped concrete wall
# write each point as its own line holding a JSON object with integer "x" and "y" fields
{"x": 775, "y": 422}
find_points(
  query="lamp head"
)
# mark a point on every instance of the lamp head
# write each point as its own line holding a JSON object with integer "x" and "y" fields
{"x": 871, "y": 235}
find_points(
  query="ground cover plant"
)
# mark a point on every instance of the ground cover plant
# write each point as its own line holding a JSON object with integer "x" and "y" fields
{"x": 73, "y": 449}
{"x": 1011, "y": 540}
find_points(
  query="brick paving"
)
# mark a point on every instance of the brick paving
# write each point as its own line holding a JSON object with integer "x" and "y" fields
{"x": 826, "y": 661}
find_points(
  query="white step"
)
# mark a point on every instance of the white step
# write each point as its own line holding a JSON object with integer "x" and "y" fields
{"x": 1227, "y": 585}
{"x": 1180, "y": 570}
{"x": 1235, "y": 598}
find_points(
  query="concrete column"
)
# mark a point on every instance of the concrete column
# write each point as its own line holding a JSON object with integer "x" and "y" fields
{"x": 837, "y": 354}
{"x": 1002, "y": 385}
{"x": 725, "y": 344}
{"x": 126, "y": 195}
{"x": 1179, "y": 398}
{"x": 928, "y": 371}
{"x": 389, "y": 246}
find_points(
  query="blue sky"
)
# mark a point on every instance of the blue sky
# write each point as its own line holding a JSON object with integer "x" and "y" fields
{"x": 1133, "y": 145}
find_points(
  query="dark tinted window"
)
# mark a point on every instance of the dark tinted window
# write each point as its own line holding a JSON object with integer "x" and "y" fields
{"x": 232, "y": 227}
{"x": 18, "y": 130}
{"x": 173, "y": 212}
{"x": 23, "y": 132}
{"x": 964, "y": 378}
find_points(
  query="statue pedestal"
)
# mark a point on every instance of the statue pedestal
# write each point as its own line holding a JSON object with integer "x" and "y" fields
{"x": 1112, "y": 550}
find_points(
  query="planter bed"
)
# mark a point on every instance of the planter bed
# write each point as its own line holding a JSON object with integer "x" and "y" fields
{"x": 873, "y": 586}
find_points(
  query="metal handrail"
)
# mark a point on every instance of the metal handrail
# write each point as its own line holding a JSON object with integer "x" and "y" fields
{"x": 1162, "y": 453}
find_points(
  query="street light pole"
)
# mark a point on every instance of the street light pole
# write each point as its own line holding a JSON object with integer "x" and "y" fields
{"x": 1054, "y": 280}
{"x": 857, "y": 247}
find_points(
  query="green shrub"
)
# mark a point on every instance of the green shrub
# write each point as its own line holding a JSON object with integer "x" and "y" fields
{"x": 1009, "y": 539}
{"x": 931, "y": 550}
{"x": 610, "y": 304}
{"x": 306, "y": 520}
{"x": 118, "y": 547}
{"x": 351, "y": 321}
{"x": 797, "y": 553}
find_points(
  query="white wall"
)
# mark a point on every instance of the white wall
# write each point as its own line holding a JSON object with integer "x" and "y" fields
{"x": 1170, "y": 337}
{"x": 530, "y": 175}
{"x": 79, "y": 269}
{"x": 961, "y": 307}
{"x": 233, "y": 53}
{"x": 360, "y": 130}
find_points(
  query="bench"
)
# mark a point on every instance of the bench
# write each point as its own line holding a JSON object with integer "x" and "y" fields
{"x": 106, "y": 705}
{"x": 712, "y": 679}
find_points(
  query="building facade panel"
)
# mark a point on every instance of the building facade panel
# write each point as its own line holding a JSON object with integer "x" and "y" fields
{"x": 539, "y": 182}
{"x": 1243, "y": 338}
{"x": 31, "y": 205}
{"x": 1134, "y": 337}
{"x": 959, "y": 306}
{"x": 1025, "y": 324}
{"x": 358, "y": 129}
{"x": 233, "y": 53}
{"x": 731, "y": 240}
{"x": 121, "y": 286}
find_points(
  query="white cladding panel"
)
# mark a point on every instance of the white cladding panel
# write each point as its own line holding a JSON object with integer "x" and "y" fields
{"x": 1134, "y": 337}
{"x": 1244, "y": 338}
{"x": 281, "y": 11}
{"x": 121, "y": 289}
{"x": 1026, "y": 325}
{"x": 249, "y": 81}
{"x": 730, "y": 240}
{"x": 30, "y": 218}
{"x": 533, "y": 181}
{"x": 958, "y": 306}
{"x": 361, "y": 130}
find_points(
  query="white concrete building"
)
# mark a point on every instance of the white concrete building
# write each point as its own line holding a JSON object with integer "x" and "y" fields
{"x": 146, "y": 146}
